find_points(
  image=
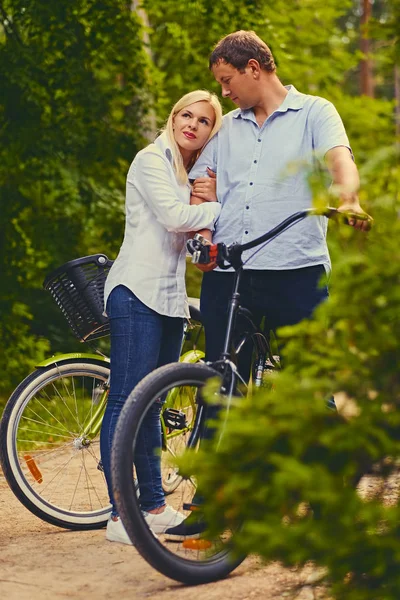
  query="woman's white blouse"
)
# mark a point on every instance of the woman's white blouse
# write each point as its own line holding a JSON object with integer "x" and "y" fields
{"x": 152, "y": 258}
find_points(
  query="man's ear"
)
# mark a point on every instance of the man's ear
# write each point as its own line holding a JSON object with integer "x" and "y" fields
{"x": 254, "y": 67}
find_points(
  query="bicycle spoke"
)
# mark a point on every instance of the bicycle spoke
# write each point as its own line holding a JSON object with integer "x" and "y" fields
{"x": 43, "y": 422}
{"x": 76, "y": 486}
{"x": 61, "y": 468}
{"x": 76, "y": 418}
{"x": 52, "y": 415}
{"x": 26, "y": 429}
{"x": 95, "y": 489}
{"x": 87, "y": 481}
{"x": 56, "y": 395}
{"x": 58, "y": 449}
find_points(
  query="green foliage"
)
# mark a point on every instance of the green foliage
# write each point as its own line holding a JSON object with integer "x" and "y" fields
{"x": 309, "y": 48}
{"x": 76, "y": 89}
{"x": 193, "y": 280}
{"x": 286, "y": 465}
{"x": 369, "y": 122}
{"x": 75, "y": 85}
{"x": 314, "y": 42}
{"x": 384, "y": 31}
{"x": 77, "y": 92}
{"x": 20, "y": 350}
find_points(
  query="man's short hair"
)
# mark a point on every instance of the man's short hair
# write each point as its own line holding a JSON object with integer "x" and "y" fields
{"x": 239, "y": 47}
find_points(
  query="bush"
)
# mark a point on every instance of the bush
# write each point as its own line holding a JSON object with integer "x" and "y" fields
{"x": 286, "y": 465}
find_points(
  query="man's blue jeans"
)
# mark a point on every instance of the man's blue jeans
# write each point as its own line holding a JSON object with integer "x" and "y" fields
{"x": 141, "y": 341}
{"x": 283, "y": 297}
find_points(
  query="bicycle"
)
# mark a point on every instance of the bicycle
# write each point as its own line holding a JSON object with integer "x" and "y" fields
{"x": 50, "y": 428}
{"x": 194, "y": 559}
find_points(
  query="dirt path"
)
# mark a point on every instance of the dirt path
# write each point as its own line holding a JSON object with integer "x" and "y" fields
{"x": 39, "y": 561}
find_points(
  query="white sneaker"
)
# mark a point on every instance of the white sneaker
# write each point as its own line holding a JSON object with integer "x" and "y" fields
{"x": 160, "y": 522}
{"x": 116, "y": 532}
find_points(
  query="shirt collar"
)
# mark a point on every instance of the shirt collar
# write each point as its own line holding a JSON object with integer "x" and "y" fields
{"x": 294, "y": 100}
{"x": 163, "y": 143}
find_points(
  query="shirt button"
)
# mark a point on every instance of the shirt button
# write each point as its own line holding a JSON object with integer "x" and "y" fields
{"x": 255, "y": 161}
{"x": 259, "y": 140}
{"x": 247, "y": 207}
{"x": 251, "y": 183}
{"x": 246, "y": 232}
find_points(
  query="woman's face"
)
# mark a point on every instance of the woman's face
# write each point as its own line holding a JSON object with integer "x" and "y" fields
{"x": 192, "y": 126}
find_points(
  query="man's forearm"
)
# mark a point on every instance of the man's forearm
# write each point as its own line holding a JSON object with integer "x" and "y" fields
{"x": 346, "y": 181}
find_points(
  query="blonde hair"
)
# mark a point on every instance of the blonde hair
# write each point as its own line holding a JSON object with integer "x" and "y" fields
{"x": 186, "y": 100}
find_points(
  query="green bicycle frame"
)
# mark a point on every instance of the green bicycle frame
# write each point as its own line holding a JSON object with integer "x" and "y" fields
{"x": 92, "y": 428}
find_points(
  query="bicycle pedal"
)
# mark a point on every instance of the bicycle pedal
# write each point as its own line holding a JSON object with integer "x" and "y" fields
{"x": 174, "y": 419}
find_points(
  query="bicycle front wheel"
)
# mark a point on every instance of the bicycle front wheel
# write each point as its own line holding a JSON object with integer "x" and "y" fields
{"x": 50, "y": 450}
{"x": 192, "y": 560}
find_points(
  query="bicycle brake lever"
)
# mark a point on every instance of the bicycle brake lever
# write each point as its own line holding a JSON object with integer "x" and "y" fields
{"x": 199, "y": 250}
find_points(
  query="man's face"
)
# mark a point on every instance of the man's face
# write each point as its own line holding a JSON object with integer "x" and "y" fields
{"x": 241, "y": 88}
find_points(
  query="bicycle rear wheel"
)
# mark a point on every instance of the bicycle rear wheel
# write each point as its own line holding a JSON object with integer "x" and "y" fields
{"x": 192, "y": 560}
{"x": 50, "y": 450}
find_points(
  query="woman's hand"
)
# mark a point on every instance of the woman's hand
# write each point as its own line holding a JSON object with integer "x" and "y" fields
{"x": 205, "y": 188}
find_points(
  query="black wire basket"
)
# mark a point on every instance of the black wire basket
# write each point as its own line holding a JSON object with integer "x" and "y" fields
{"x": 78, "y": 289}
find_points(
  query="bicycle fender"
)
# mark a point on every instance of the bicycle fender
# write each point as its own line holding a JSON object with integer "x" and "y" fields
{"x": 192, "y": 356}
{"x": 61, "y": 358}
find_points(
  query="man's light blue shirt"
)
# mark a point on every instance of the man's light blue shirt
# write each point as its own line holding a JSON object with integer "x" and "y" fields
{"x": 260, "y": 182}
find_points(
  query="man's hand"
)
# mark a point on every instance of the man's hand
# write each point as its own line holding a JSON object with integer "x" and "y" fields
{"x": 205, "y": 188}
{"x": 353, "y": 207}
{"x": 206, "y": 268}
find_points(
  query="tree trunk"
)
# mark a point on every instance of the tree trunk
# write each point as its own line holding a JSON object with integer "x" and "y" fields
{"x": 151, "y": 121}
{"x": 397, "y": 98}
{"x": 366, "y": 75}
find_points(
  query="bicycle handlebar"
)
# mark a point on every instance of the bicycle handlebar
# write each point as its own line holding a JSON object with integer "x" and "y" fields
{"x": 227, "y": 256}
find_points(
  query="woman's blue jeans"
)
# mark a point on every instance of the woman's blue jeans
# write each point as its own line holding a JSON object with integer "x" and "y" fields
{"x": 141, "y": 341}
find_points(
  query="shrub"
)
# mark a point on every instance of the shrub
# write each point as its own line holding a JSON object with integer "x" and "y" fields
{"x": 286, "y": 465}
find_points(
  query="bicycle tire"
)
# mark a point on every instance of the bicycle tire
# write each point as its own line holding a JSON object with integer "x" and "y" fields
{"x": 160, "y": 556}
{"x": 41, "y": 450}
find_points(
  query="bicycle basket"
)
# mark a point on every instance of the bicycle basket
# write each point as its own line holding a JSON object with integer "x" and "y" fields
{"x": 78, "y": 289}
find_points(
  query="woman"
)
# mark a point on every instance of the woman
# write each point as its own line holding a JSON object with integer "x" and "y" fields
{"x": 145, "y": 291}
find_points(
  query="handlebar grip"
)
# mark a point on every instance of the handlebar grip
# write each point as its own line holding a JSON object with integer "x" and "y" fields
{"x": 344, "y": 216}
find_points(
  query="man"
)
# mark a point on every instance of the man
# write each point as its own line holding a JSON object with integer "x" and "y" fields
{"x": 275, "y": 127}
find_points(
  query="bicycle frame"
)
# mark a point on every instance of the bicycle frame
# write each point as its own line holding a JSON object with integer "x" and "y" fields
{"x": 259, "y": 339}
{"x": 231, "y": 256}
{"x": 92, "y": 428}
